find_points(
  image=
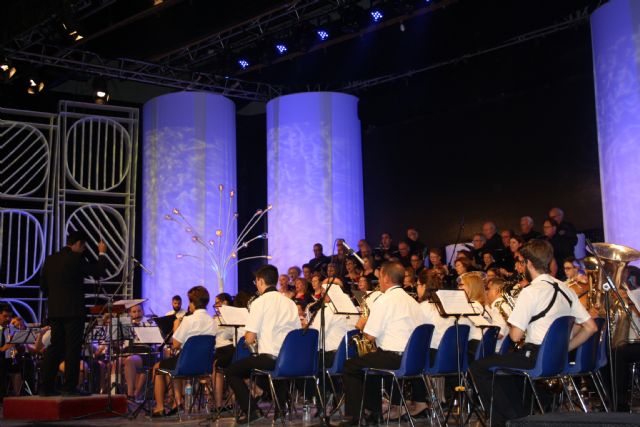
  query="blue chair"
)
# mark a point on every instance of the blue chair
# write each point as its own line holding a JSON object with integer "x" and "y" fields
{"x": 414, "y": 358}
{"x": 194, "y": 363}
{"x": 298, "y": 359}
{"x": 586, "y": 363}
{"x": 454, "y": 343}
{"x": 507, "y": 343}
{"x": 346, "y": 350}
{"x": 487, "y": 346}
{"x": 551, "y": 360}
{"x": 241, "y": 351}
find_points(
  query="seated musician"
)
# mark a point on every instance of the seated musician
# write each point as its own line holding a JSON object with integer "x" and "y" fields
{"x": 271, "y": 317}
{"x": 176, "y": 305}
{"x": 43, "y": 341}
{"x": 224, "y": 348}
{"x": 199, "y": 323}
{"x": 392, "y": 320}
{"x": 473, "y": 285}
{"x": 537, "y": 306}
{"x": 134, "y": 363}
{"x": 497, "y": 308}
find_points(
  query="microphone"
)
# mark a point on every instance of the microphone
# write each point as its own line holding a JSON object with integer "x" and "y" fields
{"x": 146, "y": 270}
{"x": 352, "y": 252}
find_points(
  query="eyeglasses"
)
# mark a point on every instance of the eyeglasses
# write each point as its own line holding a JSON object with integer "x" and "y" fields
{"x": 569, "y": 268}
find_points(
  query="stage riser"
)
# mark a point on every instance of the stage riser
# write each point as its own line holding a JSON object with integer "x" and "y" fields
{"x": 614, "y": 419}
{"x": 36, "y": 408}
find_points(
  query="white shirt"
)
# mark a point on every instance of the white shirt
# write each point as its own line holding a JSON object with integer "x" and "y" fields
{"x": 199, "y": 323}
{"x": 535, "y": 298}
{"x": 179, "y": 314}
{"x": 393, "y": 318}
{"x": 498, "y": 320}
{"x": 441, "y": 324}
{"x": 224, "y": 334}
{"x": 272, "y": 317}
{"x": 336, "y": 327}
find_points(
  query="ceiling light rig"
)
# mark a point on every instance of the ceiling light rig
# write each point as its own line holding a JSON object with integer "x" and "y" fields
{"x": 34, "y": 86}
{"x": 7, "y": 70}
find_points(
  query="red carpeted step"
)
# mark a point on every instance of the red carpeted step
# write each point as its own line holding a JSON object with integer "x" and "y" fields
{"x": 61, "y": 408}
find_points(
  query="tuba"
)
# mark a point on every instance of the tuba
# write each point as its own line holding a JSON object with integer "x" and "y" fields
{"x": 614, "y": 260}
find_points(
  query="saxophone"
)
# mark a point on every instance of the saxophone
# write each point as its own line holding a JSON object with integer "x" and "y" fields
{"x": 363, "y": 345}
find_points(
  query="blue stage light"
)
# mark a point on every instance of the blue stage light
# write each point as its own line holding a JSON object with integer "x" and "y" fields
{"x": 376, "y": 15}
{"x": 243, "y": 63}
{"x": 323, "y": 35}
{"x": 281, "y": 48}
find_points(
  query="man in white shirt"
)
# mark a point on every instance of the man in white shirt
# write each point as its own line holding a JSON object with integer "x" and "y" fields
{"x": 271, "y": 318}
{"x": 393, "y": 318}
{"x": 538, "y": 305}
{"x": 199, "y": 323}
{"x": 176, "y": 304}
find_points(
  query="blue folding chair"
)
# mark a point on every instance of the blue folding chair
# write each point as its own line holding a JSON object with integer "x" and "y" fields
{"x": 298, "y": 359}
{"x": 488, "y": 343}
{"x": 551, "y": 360}
{"x": 346, "y": 350}
{"x": 506, "y": 345}
{"x": 414, "y": 358}
{"x": 447, "y": 363}
{"x": 241, "y": 351}
{"x": 585, "y": 364}
{"x": 195, "y": 362}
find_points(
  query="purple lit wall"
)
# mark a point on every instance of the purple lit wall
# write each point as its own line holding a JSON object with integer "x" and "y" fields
{"x": 314, "y": 174}
{"x": 188, "y": 149}
{"x": 615, "y": 32}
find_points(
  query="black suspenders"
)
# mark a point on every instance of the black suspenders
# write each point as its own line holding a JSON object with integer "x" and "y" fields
{"x": 556, "y": 290}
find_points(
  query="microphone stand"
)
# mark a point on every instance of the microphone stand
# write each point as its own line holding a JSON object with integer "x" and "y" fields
{"x": 324, "y": 420}
{"x": 609, "y": 286}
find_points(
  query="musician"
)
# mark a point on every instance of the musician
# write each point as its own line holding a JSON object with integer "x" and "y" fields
{"x": 625, "y": 354}
{"x": 62, "y": 280}
{"x": 526, "y": 229}
{"x": 562, "y": 246}
{"x": 473, "y": 285}
{"x": 318, "y": 263}
{"x": 316, "y": 286}
{"x": 271, "y": 318}
{"x": 393, "y": 317}
{"x": 417, "y": 263}
{"x": 353, "y": 274}
{"x": 577, "y": 281}
{"x": 306, "y": 272}
{"x": 302, "y": 296}
{"x": 386, "y": 249}
{"x": 479, "y": 245}
{"x": 404, "y": 254}
{"x": 497, "y": 307}
{"x": 364, "y": 249}
{"x": 537, "y": 306}
{"x": 413, "y": 239}
{"x": 5, "y": 319}
{"x": 176, "y": 304}
{"x": 566, "y": 230}
{"x": 133, "y": 363}
{"x": 225, "y": 347}
{"x": 199, "y": 323}
{"x": 490, "y": 233}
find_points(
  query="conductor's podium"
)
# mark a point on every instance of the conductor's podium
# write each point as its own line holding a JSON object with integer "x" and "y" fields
{"x": 54, "y": 408}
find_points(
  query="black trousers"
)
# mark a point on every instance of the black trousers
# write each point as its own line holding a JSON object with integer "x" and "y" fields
{"x": 507, "y": 391}
{"x": 66, "y": 344}
{"x": 353, "y": 379}
{"x": 241, "y": 370}
{"x": 4, "y": 375}
{"x": 624, "y": 355}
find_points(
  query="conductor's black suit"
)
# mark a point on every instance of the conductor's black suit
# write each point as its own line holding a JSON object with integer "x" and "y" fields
{"x": 62, "y": 282}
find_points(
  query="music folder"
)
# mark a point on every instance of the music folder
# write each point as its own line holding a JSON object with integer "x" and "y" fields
{"x": 233, "y": 316}
{"x": 454, "y": 303}
{"x": 148, "y": 334}
{"x": 341, "y": 303}
{"x": 26, "y": 336}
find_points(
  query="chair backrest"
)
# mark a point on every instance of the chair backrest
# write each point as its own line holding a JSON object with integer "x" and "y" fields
{"x": 507, "y": 343}
{"x": 554, "y": 350}
{"x": 587, "y": 355}
{"x": 487, "y": 346}
{"x": 602, "y": 357}
{"x": 298, "y": 355}
{"x": 346, "y": 350}
{"x": 241, "y": 351}
{"x": 196, "y": 356}
{"x": 416, "y": 353}
{"x": 446, "y": 357}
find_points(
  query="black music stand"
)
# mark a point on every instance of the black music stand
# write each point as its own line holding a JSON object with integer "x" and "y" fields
{"x": 156, "y": 338}
{"x": 24, "y": 337}
{"x": 461, "y": 307}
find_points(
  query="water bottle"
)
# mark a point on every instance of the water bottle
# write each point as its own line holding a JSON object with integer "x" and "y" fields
{"x": 188, "y": 397}
{"x": 306, "y": 413}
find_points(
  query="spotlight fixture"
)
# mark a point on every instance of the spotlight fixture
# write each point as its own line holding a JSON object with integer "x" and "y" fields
{"x": 35, "y": 86}
{"x": 323, "y": 35}
{"x": 74, "y": 34}
{"x": 100, "y": 90}
{"x": 281, "y": 48}
{"x": 243, "y": 63}
{"x": 376, "y": 15}
{"x": 7, "y": 70}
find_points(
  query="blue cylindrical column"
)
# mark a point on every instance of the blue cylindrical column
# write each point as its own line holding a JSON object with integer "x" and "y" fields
{"x": 615, "y": 29}
{"x": 314, "y": 174}
{"x": 188, "y": 151}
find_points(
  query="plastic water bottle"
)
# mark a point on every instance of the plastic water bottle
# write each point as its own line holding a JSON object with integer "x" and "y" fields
{"x": 188, "y": 397}
{"x": 306, "y": 413}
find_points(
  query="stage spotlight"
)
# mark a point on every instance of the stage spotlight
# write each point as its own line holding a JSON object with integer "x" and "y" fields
{"x": 35, "y": 86}
{"x": 323, "y": 35}
{"x": 281, "y": 48}
{"x": 244, "y": 64}
{"x": 74, "y": 34}
{"x": 7, "y": 69}
{"x": 100, "y": 91}
{"x": 376, "y": 15}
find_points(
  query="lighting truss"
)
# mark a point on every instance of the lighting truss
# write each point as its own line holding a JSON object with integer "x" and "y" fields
{"x": 144, "y": 72}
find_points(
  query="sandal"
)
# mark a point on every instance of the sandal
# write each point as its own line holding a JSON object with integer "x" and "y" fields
{"x": 159, "y": 414}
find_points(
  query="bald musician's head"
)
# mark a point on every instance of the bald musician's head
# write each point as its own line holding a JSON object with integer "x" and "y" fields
{"x": 391, "y": 274}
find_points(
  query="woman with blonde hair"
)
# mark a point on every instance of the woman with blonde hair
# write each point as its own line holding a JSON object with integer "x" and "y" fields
{"x": 473, "y": 283}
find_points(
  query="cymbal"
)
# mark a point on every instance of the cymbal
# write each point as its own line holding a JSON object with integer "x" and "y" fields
{"x": 614, "y": 252}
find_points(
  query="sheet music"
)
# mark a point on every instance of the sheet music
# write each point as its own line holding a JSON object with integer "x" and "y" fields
{"x": 634, "y": 296}
{"x": 234, "y": 316}
{"x": 128, "y": 303}
{"x": 455, "y": 302}
{"x": 341, "y": 302}
{"x": 27, "y": 336}
{"x": 480, "y": 321}
{"x": 148, "y": 334}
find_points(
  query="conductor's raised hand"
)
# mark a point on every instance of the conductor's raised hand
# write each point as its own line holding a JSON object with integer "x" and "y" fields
{"x": 102, "y": 247}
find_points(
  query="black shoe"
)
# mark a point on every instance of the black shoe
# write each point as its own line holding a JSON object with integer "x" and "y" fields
{"x": 174, "y": 411}
{"x": 75, "y": 393}
{"x": 159, "y": 414}
{"x": 253, "y": 416}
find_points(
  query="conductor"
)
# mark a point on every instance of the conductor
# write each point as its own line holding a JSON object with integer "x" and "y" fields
{"x": 61, "y": 281}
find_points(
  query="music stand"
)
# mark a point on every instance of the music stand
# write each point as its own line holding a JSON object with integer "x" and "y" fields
{"x": 146, "y": 335}
{"x": 24, "y": 337}
{"x": 455, "y": 303}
